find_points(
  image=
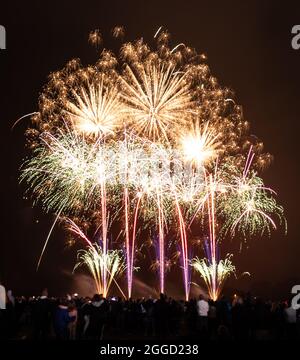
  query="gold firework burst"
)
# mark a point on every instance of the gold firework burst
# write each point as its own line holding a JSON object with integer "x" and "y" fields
{"x": 95, "y": 111}
{"x": 157, "y": 99}
{"x": 200, "y": 144}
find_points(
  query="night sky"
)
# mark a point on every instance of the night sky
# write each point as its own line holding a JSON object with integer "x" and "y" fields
{"x": 248, "y": 44}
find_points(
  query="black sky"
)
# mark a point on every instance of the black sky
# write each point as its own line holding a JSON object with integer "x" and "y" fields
{"x": 248, "y": 44}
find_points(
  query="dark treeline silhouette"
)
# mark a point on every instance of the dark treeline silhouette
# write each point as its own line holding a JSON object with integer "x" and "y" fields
{"x": 75, "y": 318}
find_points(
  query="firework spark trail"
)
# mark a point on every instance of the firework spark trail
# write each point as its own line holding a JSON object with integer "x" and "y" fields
{"x": 184, "y": 250}
{"x": 137, "y": 208}
{"x": 131, "y": 253}
{"x": 104, "y": 232}
{"x": 212, "y": 234}
{"x": 23, "y": 117}
{"x": 161, "y": 239}
{"x": 248, "y": 163}
{"x": 130, "y": 240}
{"x": 127, "y": 243}
{"x": 76, "y": 230}
{"x": 47, "y": 239}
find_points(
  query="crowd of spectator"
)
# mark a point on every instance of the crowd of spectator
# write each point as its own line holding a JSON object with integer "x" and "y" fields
{"x": 76, "y": 318}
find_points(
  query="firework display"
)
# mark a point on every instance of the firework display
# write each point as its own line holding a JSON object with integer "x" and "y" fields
{"x": 214, "y": 274}
{"x": 147, "y": 144}
{"x": 97, "y": 261}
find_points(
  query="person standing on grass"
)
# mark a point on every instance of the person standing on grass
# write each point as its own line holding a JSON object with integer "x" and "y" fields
{"x": 202, "y": 310}
{"x": 2, "y": 297}
{"x": 2, "y": 310}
